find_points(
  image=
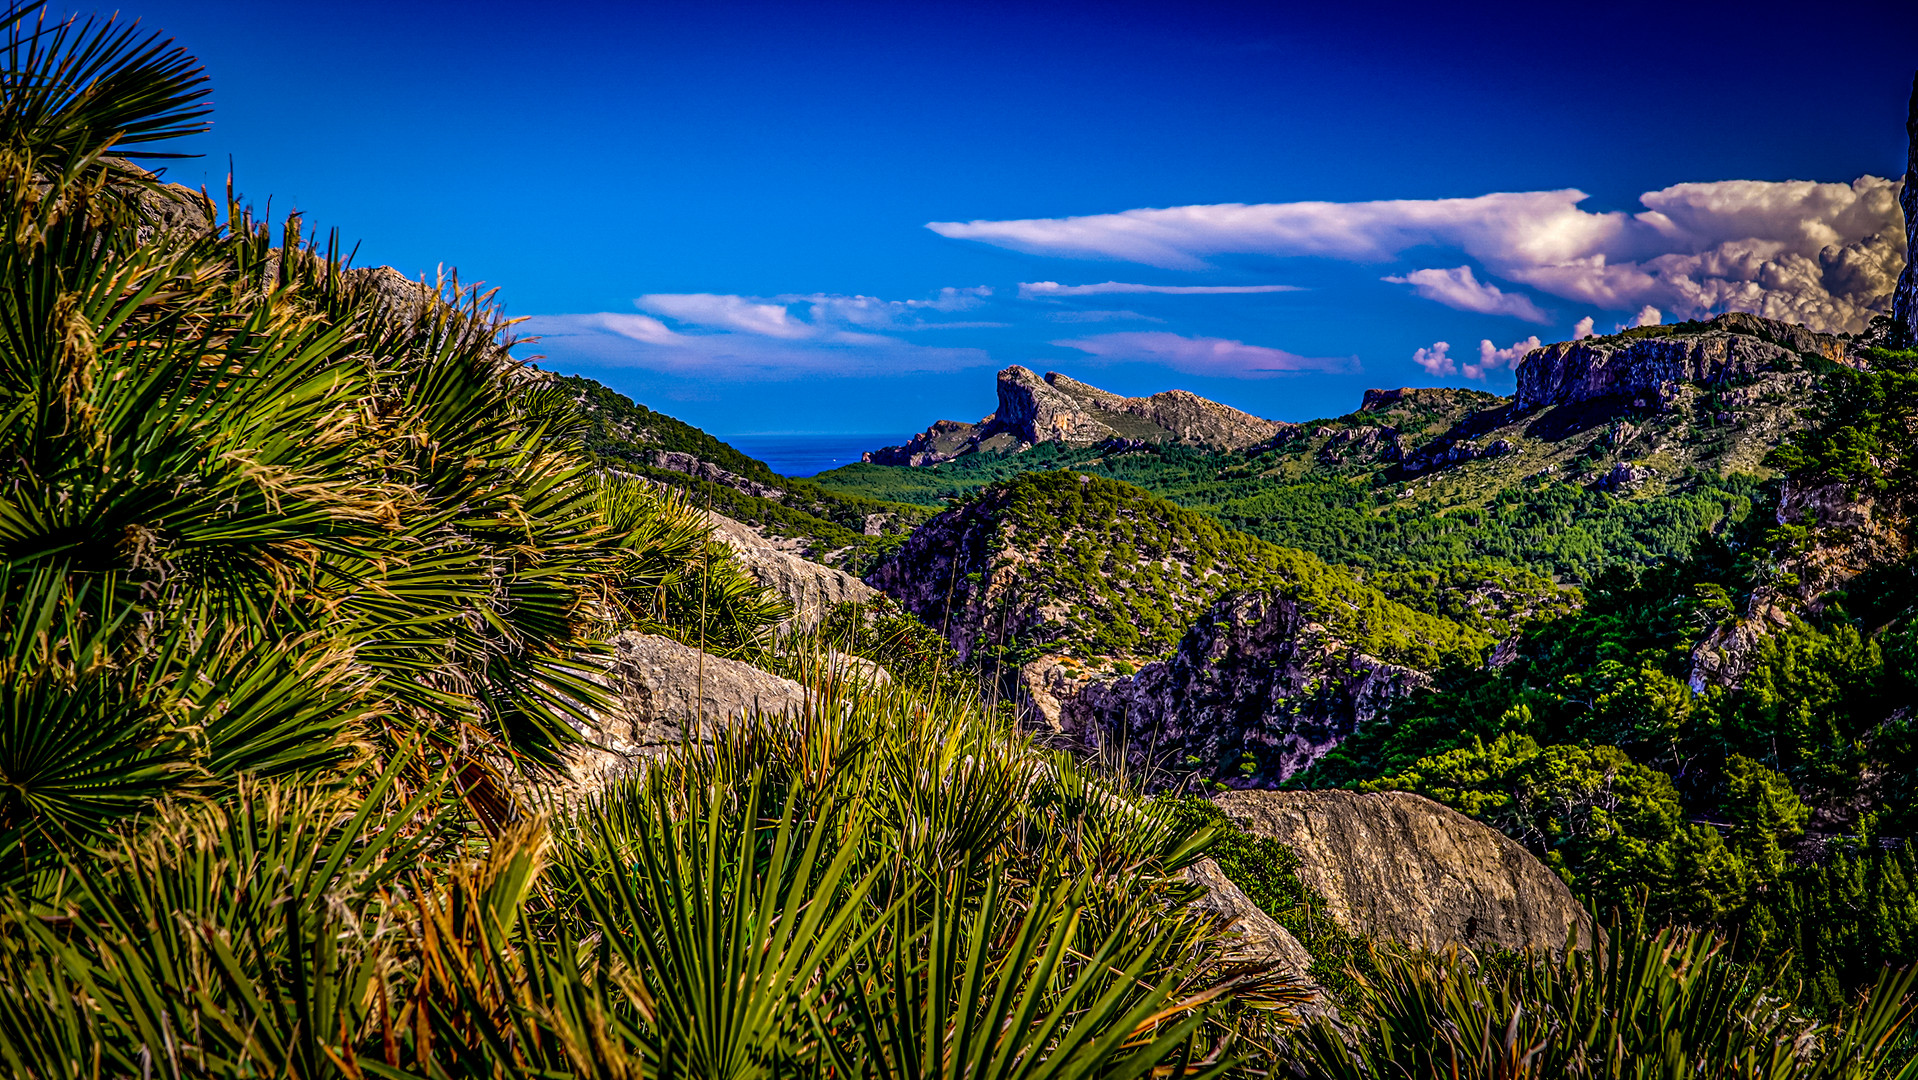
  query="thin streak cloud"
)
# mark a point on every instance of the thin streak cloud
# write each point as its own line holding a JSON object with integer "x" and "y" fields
{"x": 1030, "y": 290}
{"x": 1204, "y": 355}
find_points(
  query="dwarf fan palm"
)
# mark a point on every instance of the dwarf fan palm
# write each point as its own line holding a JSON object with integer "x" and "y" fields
{"x": 263, "y": 504}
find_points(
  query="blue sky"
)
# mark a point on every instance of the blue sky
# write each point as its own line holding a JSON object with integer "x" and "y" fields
{"x": 841, "y": 217}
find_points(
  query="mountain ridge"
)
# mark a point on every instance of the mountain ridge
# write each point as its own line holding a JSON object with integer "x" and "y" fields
{"x": 1056, "y": 408}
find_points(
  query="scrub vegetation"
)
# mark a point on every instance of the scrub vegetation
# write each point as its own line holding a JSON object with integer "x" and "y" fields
{"x": 307, "y": 582}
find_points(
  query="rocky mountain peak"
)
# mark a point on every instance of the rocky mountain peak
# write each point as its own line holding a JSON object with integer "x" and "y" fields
{"x": 1646, "y": 365}
{"x": 1035, "y": 411}
{"x": 1056, "y": 408}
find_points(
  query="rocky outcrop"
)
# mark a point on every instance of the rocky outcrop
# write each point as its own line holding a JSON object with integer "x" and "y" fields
{"x": 811, "y": 588}
{"x": 664, "y": 692}
{"x": 943, "y": 441}
{"x": 1033, "y": 411}
{"x": 681, "y": 462}
{"x": 1056, "y": 408}
{"x": 1256, "y": 692}
{"x": 1399, "y": 866}
{"x": 1645, "y": 370}
{"x": 1846, "y": 534}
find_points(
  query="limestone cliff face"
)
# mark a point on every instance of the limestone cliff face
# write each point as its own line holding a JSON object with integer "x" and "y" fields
{"x": 1055, "y": 408}
{"x": 1647, "y": 369}
{"x": 1904, "y": 300}
{"x": 1256, "y": 692}
{"x": 1033, "y": 411}
{"x": 1399, "y": 866}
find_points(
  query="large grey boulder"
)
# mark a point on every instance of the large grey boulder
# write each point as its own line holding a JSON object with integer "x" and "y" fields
{"x": 665, "y": 692}
{"x": 811, "y": 588}
{"x": 1399, "y": 866}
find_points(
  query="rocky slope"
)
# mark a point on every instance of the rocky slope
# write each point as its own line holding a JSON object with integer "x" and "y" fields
{"x": 1401, "y": 867}
{"x": 1061, "y": 585}
{"x": 1650, "y": 364}
{"x": 1256, "y": 692}
{"x": 810, "y": 587}
{"x": 1058, "y": 409}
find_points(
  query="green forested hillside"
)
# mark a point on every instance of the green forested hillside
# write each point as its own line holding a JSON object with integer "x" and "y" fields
{"x": 1775, "y": 801}
{"x": 1364, "y": 518}
{"x": 626, "y": 436}
{"x": 1067, "y": 561}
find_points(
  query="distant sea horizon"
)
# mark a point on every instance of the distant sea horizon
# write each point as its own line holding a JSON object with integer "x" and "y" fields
{"x": 800, "y": 454}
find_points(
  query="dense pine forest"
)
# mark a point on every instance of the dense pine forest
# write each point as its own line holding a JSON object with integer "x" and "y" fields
{"x": 312, "y": 590}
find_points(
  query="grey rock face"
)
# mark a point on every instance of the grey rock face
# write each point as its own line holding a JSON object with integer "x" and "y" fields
{"x": 1904, "y": 300}
{"x": 943, "y": 441}
{"x": 706, "y": 470}
{"x": 1850, "y": 532}
{"x": 812, "y": 589}
{"x": 1254, "y": 680}
{"x": 1057, "y": 408}
{"x": 1623, "y": 476}
{"x": 1645, "y": 370}
{"x": 1034, "y": 411}
{"x": 1195, "y": 421}
{"x": 1399, "y": 866}
{"x": 665, "y": 692}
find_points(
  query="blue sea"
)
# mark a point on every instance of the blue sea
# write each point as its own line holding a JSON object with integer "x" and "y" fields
{"x": 808, "y": 455}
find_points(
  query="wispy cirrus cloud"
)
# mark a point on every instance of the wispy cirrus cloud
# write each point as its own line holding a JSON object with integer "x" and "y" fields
{"x": 1090, "y": 315}
{"x": 1204, "y": 355}
{"x": 1459, "y": 288}
{"x": 1031, "y": 290}
{"x": 725, "y": 336}
{"x": 1824, "y": 254}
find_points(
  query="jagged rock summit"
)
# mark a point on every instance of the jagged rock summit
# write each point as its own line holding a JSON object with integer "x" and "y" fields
{"x": 1057, "y": 408}
{"x": 1646, "y": 366}
{"x": 1399, "y": 866}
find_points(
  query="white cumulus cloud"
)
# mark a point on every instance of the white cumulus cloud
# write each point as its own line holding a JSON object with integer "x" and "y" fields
{"x": 1029, "y": 290}
{"x": 1492, "y": 358}
{"x": 1436, "y": 359}
{"x": 1824, "y": 254}
{"x": 1460, "y": 288}
{"x": 1204, "y": 355}
{"x": 726, "y": 312}
{"x": 1583, "y": 329}
{"x": 1648, "y": 316}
